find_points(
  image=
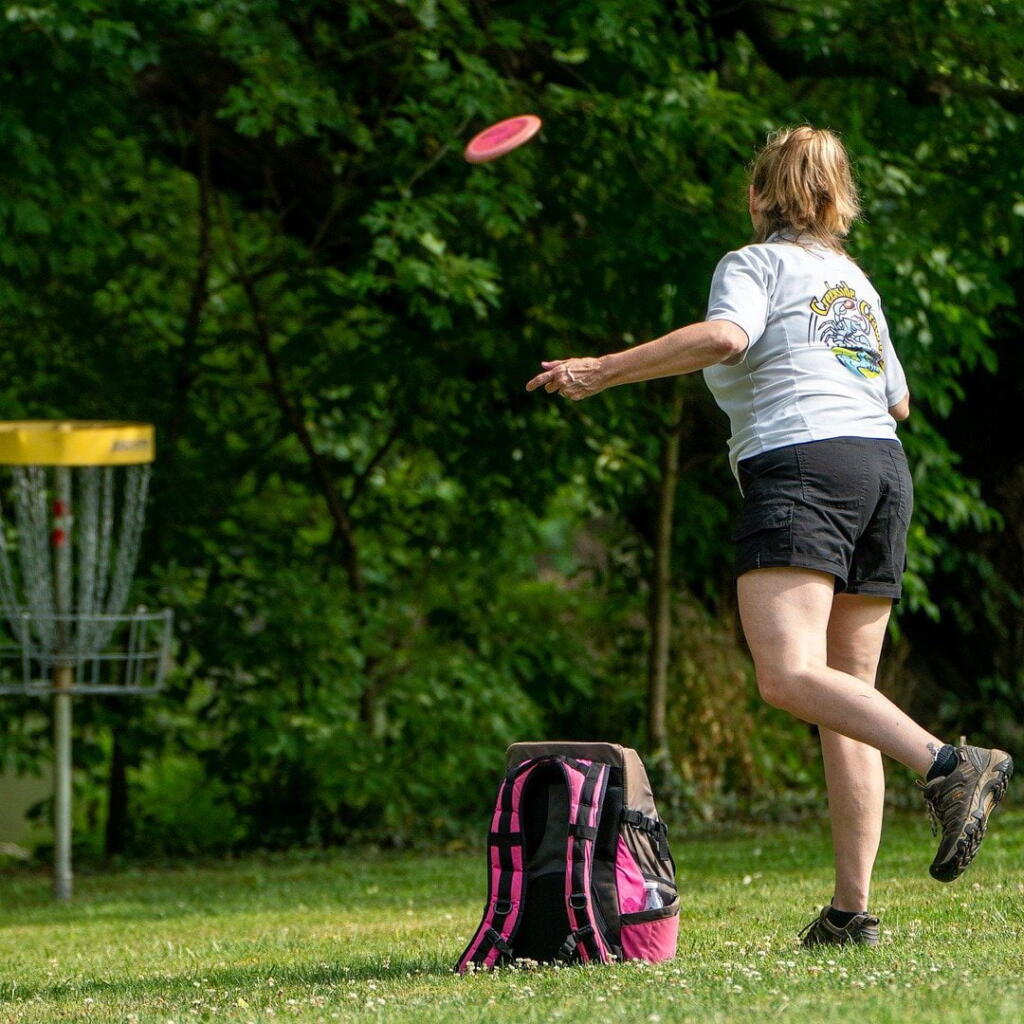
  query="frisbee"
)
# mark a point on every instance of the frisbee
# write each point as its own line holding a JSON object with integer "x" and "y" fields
{"x": 502, "y": 138}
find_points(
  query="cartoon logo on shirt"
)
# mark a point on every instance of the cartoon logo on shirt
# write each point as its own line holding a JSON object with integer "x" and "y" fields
{"x": 848, "y": 326}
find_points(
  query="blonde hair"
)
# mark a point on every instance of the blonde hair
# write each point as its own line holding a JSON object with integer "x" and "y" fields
{"x": 803, "y": 186}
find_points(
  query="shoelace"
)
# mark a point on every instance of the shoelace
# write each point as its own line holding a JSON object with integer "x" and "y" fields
{"x": 940, "y": 807}
{"x": 933, "y": 818}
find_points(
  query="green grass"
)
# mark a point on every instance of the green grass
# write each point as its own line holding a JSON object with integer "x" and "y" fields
{"x": 346, "y": 936}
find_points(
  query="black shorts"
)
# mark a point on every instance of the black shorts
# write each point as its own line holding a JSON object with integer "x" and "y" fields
{"x": 841, "y": 506}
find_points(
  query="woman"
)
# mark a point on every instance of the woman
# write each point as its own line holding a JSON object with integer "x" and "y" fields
{"x": 796, "y": 350}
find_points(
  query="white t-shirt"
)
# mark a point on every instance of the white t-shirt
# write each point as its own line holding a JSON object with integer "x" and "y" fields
{"x": 819, "y": 362}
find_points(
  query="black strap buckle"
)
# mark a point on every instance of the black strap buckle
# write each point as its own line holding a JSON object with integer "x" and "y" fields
{"x": 655, "y": 828}
{"x": 503, "y": 907}
{"x": 499, "y": 943}
{"x": 568, "y": 948}
{"x": 578, "y": 901}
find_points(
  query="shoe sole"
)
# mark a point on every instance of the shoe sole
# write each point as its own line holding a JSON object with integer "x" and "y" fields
{"x": 860, "y": 940}
{"x": 992, "y": 790}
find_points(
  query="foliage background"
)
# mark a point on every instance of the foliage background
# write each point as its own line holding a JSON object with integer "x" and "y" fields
{"x": 248, "y": 222}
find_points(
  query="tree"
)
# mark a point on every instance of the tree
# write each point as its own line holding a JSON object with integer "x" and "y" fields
{"x": 249, "y": 222}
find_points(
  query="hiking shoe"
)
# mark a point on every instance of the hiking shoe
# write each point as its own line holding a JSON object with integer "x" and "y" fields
{"x": 860, "y": 930}
{"x": 959, "y": 805}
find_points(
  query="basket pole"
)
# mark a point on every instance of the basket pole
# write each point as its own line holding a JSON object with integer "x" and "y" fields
{"x": 63, "y": 676}
{"x": 63, "y": 681}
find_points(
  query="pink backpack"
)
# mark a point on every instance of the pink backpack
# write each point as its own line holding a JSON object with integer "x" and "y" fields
{"x": 579, "y": 868}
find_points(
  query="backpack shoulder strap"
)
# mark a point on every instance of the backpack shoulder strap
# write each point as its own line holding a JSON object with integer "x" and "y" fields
{"x": 491, "y": 944}
{"x": 587, "y": 783}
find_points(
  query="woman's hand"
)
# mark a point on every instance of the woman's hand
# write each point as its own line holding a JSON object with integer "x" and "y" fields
{"x": 573, "y": 378}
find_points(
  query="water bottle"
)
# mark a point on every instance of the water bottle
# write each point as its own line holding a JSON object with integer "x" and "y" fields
{"x": 652, "y": 898}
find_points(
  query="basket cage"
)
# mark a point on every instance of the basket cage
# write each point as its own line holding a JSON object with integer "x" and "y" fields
{"x": 134, "y": 660}
{"x": 70, "y": 532}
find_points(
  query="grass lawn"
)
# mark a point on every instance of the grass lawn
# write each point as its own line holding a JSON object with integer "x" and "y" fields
{"x": 346, "y": 936}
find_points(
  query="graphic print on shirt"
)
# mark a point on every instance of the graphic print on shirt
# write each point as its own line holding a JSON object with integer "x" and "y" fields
{"x": 847, "y": 325}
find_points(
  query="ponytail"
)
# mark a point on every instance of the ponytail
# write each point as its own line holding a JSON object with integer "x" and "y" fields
{"x": 803, "y": 186}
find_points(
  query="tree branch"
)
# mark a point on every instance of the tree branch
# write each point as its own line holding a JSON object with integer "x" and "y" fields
{"x": 294, "y": 415}
{"x": 361, "y": 479}
{"x": 921, "y": 86}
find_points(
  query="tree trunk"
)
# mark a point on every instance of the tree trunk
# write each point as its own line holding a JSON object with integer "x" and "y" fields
{"x": 660, "y": 611}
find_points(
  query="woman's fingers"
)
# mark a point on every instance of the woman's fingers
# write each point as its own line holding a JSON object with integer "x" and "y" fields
{"x": 551, "y": 367}
{"x": 540, "y": 380}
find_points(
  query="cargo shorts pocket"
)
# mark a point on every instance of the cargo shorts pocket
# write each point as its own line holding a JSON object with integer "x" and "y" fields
{"x": 763, "y": 533}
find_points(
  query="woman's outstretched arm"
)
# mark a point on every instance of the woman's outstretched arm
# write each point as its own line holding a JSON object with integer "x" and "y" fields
{"x": 684, "y": 350}
{"x": 681, "y": 351}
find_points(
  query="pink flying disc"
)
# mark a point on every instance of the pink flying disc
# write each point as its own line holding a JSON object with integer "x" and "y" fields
{"x": 502, "y": 138}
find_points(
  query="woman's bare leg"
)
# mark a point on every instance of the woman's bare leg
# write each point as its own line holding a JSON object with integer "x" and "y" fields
{"x": 785, "y": 614}
{"x": 853, "y": 770}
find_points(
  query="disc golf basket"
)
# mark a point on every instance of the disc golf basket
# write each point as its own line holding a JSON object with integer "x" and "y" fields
{"x": 77, "y": 490}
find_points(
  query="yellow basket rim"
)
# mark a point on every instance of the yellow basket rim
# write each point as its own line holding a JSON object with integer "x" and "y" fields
{"x": 76, "y": 443}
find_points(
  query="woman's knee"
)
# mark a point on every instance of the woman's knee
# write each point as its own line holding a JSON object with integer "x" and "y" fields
{"x": 782, "y": 686}
{"x": 774, "y": 684}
